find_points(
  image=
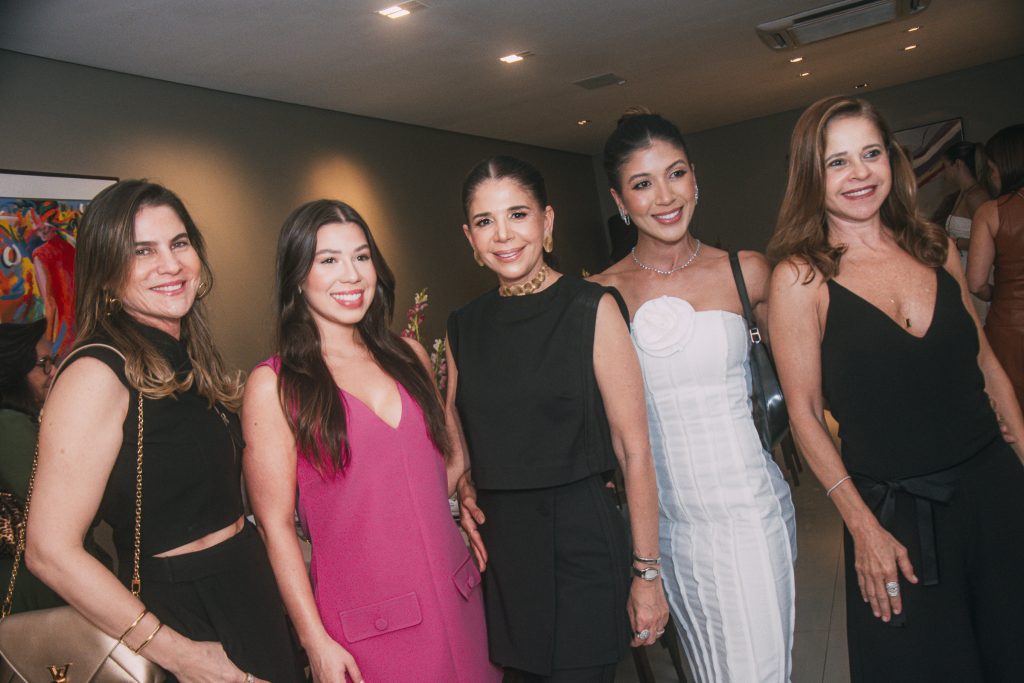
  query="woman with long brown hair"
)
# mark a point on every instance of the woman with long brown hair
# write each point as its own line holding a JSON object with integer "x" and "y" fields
{"x": 999, "y": 241}
{"x": 145, "y": 366}
{"x": 870, "y": 316}
{"x": 345, "y": 423}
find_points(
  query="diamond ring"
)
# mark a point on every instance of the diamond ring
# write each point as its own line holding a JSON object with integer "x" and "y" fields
{"x": 643, "y": 635}
{"x": 892, "y": 588}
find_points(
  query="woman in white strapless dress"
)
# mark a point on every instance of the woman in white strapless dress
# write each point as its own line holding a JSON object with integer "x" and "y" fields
{"x": 727, "y": 528}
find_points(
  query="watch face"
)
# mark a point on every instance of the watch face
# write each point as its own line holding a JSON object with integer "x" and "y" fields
{"x": 647, "y": 574}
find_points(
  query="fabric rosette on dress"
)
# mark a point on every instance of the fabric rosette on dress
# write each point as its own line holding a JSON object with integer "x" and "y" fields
{"x": 664, "y": 325}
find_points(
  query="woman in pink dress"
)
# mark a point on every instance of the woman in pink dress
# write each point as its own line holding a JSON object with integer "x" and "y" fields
{"x": 345, "y": 424}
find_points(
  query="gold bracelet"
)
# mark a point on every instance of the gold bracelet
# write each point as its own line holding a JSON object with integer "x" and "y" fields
{"x": 146, "y": 641}
{"x": 133, "y": 625}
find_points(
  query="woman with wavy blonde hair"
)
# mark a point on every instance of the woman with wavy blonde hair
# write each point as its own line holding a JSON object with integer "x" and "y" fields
{"x": 870, "y": 315}
{"x": 144, "y": 369}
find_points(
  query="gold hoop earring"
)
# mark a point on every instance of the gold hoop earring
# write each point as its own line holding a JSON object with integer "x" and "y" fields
{"x": 476, "y": 257}
{"x": 548, "y": 243}
{"x": 203, "y": 289}
{"x": 114, "y": 305}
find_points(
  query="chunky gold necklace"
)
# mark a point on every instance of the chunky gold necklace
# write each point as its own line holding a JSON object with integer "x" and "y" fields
{"x": 527, "y": 287}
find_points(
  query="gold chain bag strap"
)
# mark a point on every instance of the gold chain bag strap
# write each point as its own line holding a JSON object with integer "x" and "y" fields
{"x": 59, "y": 645}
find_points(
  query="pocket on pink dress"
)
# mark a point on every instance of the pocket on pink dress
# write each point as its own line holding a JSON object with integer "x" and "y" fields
{"x": 466, "y": 578}
{"x": 382, "y": 617}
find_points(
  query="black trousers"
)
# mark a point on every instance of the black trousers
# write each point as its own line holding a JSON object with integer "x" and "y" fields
{"x": 592, "y": 674}
{"x": 969, "y": 627}
{"x": 225, "y": 594}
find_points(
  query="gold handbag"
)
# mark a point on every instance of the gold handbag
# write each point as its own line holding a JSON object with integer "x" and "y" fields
{"x": 59, "y": 645}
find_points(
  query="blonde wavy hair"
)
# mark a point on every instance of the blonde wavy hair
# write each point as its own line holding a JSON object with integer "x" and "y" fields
{"x": 103, "y": 264}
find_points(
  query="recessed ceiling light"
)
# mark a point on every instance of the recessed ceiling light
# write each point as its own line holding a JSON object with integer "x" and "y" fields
{"x": 517, "y": 57}
{"x": 402, "y": 9}
{"x": 908, "y": 48}
{"x": 913, "y": 28}
{"x": 860, "y": 86}
{"x": 805, "y": 74}
{"x": 582, "y": 122}
{"x": 796, "y": 59}
{"x": 394, "y": 12}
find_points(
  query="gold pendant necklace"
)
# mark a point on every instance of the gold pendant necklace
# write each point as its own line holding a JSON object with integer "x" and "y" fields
{"x": 527, "y": 287}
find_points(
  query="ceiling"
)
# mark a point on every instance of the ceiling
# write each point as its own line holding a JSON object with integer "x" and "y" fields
{"x": 699, "y": 62}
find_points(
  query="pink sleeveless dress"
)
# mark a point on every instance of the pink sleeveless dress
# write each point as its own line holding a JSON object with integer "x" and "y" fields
{"x": 392, "y": 578}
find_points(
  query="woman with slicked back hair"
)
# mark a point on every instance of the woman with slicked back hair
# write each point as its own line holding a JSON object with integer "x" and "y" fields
{"x": 345, "y": 424}
{"x": 546, "y": 387}
{"x": 726, "y": 517}
{"x": 871, "y": 316}
{"x": 145, "y": 368}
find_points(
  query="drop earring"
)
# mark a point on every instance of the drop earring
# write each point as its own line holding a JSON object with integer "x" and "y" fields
{"x": 203, "y": 289}
{"x": 696, "y": 194}
{"x": 476, "y": 257}
{"x": 623, "y": 215}
{"x": 548, "y": 243}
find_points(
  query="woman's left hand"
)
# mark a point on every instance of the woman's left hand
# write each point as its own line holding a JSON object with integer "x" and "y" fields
{"x": 648, "y": 611}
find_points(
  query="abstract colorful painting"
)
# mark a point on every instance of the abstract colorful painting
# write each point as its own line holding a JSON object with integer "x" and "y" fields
{"x": 39, "y": 216}
{"x": 925, "y": 145}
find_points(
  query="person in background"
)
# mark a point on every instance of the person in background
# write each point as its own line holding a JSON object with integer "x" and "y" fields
{"x": 870, "y": 315}
{"x": 345, "y": 423}
{"x": 26, "y": 369}
{"x": 998, "y": 239}
{"x": 726, "y": 511}
{"x": 964, "y": 166}
{"x": 208, "y": 609}
{"x": 546, "y": 387}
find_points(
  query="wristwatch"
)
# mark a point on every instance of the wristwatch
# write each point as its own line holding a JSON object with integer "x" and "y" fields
{"x": 647, "y": 573}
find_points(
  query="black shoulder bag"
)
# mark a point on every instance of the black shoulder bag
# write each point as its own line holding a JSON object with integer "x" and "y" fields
{"x": 769, "y": 407}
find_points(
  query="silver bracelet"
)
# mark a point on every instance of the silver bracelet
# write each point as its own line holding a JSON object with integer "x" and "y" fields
{"x": 646, "y": 560}
{"x": 836, "y": 485}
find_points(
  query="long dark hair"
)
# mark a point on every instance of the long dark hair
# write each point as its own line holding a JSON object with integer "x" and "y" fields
{"x": 802, "y": 229}
{"x": 17, "y": 359}
{"x": 309, "y": 396}
{"x": 1006, "y": 149}
{"x": 104, "y": 253}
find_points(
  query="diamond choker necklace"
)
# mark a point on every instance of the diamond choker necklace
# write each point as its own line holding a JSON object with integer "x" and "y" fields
{"x": 659, "y": 271}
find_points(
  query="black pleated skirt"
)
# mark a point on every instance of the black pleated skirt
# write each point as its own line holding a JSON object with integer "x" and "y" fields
{"x": 226, "y": 594}
{"x": 557, "y": 578}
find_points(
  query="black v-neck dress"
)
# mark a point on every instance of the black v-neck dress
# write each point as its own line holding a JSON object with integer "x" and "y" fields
{"x": 924, "y": 447}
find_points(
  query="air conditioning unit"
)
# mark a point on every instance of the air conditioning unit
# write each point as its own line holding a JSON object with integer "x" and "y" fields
{"x": 835, "y": 19}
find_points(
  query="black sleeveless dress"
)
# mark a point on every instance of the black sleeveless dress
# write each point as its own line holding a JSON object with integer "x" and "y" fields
{"x": 557, "y": 579}
{"x": 923, "y": 445}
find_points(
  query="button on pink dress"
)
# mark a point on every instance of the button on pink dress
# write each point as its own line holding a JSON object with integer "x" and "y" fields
{"x": 392, "y": 578}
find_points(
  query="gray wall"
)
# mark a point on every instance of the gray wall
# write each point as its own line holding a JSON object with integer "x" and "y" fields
{"x": 742, "y": 168}
{"x": 241, "y": 164}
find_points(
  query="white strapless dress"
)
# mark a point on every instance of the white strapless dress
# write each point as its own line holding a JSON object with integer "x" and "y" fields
{"x": 727, "y": 527}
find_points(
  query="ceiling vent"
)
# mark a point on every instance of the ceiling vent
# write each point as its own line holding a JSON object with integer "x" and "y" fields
{"x": 834, "y": 19}
{"x": 602, "y": 81}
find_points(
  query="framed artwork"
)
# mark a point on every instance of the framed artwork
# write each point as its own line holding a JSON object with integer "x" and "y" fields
{"x": 39, "y": 216}
{"x": 925, "y": 146}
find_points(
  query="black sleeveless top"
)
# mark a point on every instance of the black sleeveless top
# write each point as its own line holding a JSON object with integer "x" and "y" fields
{"x": 527, "y": 395}
{"x": 905, "y": 406}
{"x": 191, "y": 461}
